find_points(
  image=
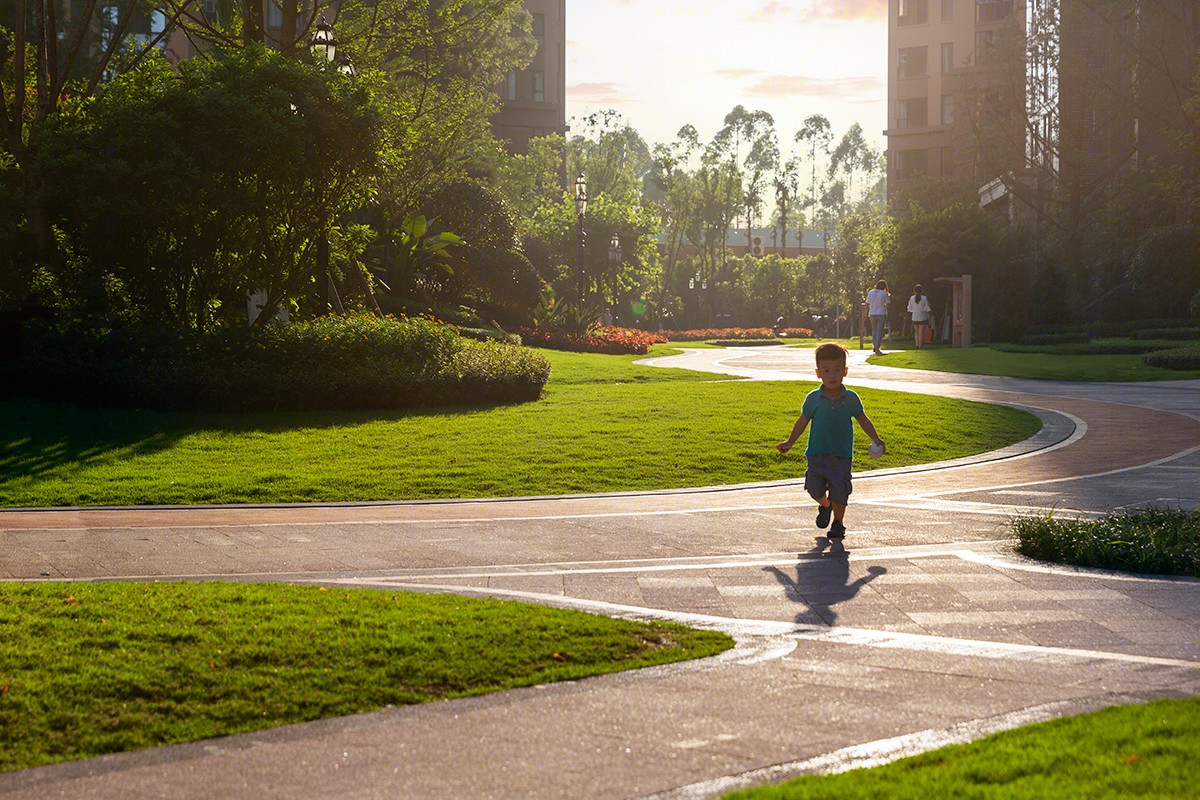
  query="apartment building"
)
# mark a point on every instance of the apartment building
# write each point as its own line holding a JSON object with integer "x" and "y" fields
{"x": 1103, "y": 93}
{"x": 932, "y": 46}
{"x": 534, "y": 99}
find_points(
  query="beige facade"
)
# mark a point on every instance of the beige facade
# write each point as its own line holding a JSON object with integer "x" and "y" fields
{"x": 932, "y": 45}
{"x": 534, "y": 99}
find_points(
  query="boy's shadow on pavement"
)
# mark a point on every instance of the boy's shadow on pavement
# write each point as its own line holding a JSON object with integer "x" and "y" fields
{"x": 821, "y": 581}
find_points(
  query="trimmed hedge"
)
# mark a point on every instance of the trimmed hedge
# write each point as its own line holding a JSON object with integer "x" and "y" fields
{"x": 1168, "y": 333}
{"x": 1106, "y": 328}
{"x": 1182, "y": 358}
{"x": 1037, "y": 339}
{"x": 355, "y": 361}
{"x": 1103, "y": 347}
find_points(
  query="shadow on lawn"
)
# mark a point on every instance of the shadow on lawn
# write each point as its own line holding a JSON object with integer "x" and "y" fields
{"x": 37, "y": 437}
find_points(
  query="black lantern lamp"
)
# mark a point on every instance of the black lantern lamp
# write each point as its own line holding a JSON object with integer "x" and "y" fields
{"x": 323, "y": 43}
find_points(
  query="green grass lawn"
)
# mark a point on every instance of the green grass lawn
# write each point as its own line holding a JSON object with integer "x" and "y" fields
{"x": 1147, "y": 751}
{"x": 1042, "y": 366}
{"x": 604, "y": 424}
{"x": 94, "y": 668}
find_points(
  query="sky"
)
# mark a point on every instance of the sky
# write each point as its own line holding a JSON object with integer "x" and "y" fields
{"x": 666, "y": 63}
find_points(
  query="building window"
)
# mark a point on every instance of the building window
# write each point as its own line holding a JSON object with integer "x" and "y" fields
{"x": 909, "y": 163}
{"x": 911, "y": 62}
{"x": 992, "y": 10}
{"x": 539, "y": 87}
{"x": 510, "y": 92}
{"x": 947, "y": 57}
{"x": 912, "y": 113}
{"x": 913, "y": 12}
{"x": 984, "y": 42}
{"x": 274, "y": 15}
{"x": 947, "y": 109}
{"x": 947, "y": 10}
{"x": 947, "y": 161}
{"x": 539, "y": 30}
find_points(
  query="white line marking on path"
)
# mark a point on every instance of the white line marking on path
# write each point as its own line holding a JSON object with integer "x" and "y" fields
{"x": 740, "y": 628}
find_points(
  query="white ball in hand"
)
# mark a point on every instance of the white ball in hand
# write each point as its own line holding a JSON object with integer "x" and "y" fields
{"x": 875, "y": 450}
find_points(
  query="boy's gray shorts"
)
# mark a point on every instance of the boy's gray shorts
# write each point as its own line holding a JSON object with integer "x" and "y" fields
{"x": 829, "y": 474}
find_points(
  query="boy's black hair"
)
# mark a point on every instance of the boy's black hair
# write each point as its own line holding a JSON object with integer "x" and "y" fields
{"x": 832, "y": 351}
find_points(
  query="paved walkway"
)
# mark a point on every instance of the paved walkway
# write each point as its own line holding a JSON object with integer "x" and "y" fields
{"x": 922, "y": 629}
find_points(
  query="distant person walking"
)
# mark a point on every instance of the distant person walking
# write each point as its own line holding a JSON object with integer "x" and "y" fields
{"x": 877, "y": 301}
{"x": 918, "y": 306}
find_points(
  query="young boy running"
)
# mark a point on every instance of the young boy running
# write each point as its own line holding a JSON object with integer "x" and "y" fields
{"x": 830, "y": 449}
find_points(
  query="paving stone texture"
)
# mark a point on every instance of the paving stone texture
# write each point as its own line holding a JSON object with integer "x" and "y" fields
{"x": 920, "y": 629}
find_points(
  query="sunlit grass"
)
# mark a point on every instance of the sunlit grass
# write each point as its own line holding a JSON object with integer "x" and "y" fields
{"x": 1041, "y": 366}
{"x": 1149, "y": 751}
{"x": 89, "y": 669}
{"x": 603, "y": 425}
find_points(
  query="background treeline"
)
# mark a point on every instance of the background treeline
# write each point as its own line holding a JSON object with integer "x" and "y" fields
{"x": 141, "y": 194}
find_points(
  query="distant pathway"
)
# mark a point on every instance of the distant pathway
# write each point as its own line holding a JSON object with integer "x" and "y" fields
{"x": 922, "y": 629}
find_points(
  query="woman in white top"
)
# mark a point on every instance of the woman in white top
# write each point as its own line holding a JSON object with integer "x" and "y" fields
{"x": 918, "y": 306}
{"x": 877, "y": 300}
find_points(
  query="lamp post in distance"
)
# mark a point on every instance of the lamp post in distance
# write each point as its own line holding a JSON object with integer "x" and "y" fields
{"x": 581, "y": 201}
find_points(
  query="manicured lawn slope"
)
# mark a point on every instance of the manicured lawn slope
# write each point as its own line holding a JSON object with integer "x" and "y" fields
{"x": 94, "y": 668}
{"x": 603, "y": 424}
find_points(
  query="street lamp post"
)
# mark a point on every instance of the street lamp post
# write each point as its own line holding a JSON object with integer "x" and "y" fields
{"x": 324, "y": 46}
{"x": 614, "y": 258}
{"x": 581, "y": 201}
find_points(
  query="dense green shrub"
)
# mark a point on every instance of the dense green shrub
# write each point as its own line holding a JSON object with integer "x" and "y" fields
{"x": 1150, "y": 541}
{"x": 490, "y": 335}
{"x": 1181, "y": 358}
{"x": 355, "y": 361}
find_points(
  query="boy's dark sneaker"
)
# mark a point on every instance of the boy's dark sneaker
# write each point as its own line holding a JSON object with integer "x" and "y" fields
{"x": 823, "y": 515}
{"x": 837, "y": 530}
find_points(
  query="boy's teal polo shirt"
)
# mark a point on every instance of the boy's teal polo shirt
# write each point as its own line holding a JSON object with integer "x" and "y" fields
{"x": 831, "y": 422}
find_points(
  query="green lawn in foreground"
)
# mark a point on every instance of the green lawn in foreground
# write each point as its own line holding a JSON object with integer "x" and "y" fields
{"x": 94, "y": 668}
{"x": 1147, "y": 751}
{"x": 604, "y": 424}
{"x": 1042, "y": 366}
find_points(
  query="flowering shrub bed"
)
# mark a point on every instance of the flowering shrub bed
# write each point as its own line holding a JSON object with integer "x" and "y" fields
{"x": 705, "y": 334}
{"x": 353, "y": 361}
{"x": 599, "y": 339}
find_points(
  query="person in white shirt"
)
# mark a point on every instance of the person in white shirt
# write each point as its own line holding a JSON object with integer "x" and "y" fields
{"x": 877, "y": 300}
{"x": 918, "y": 306}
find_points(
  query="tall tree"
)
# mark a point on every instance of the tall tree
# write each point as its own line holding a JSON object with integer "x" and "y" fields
{"x": 751, "y": 133}
{"x": 816, "y": 136}
{"x": 852, "y": 156}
